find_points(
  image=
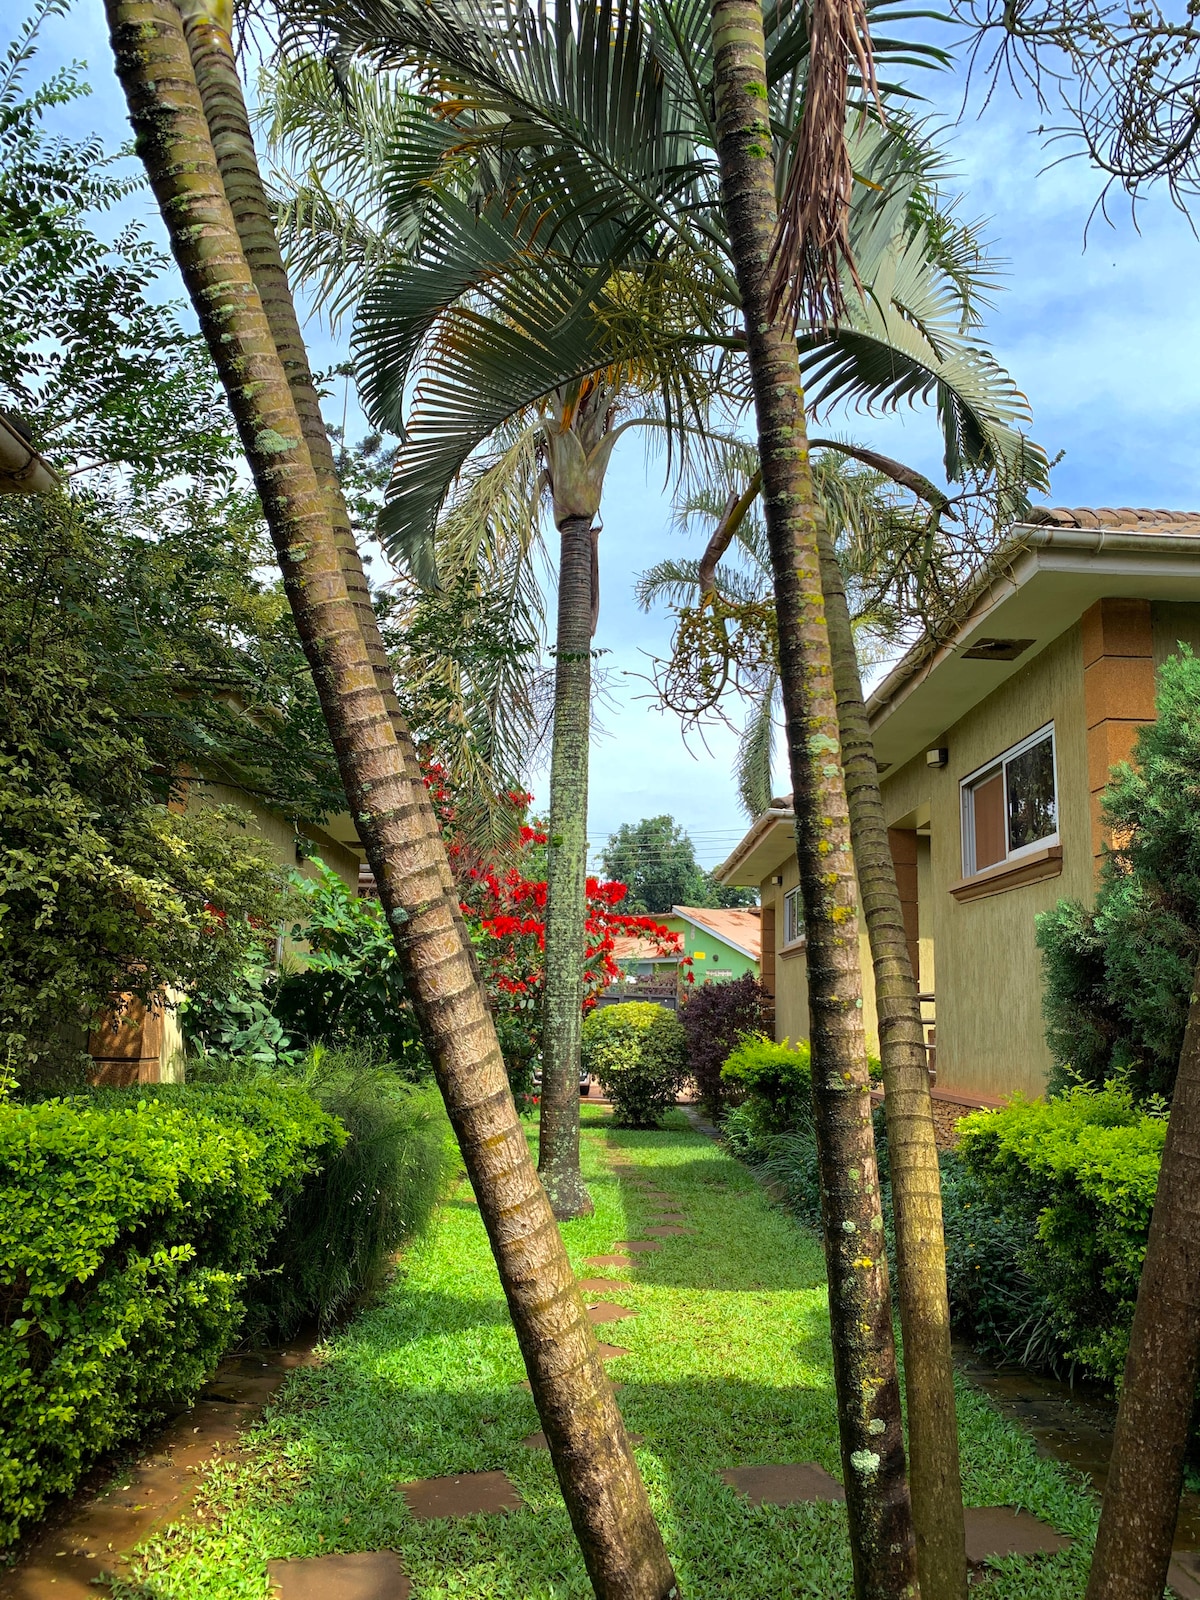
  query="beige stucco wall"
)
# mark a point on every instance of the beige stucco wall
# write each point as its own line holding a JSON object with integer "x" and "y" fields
{"x": 1174, "y": 623}
{"x": 278, "y": 833}
{"x": 988, "y": 970}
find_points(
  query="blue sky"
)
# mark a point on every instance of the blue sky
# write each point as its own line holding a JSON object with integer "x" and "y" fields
{"x": 1104, "y": 340}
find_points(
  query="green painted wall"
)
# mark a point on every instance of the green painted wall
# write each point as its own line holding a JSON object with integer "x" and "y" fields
{"x": 711, "y": 956}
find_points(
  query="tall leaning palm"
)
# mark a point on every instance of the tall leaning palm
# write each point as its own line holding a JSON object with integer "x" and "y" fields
{"x": 591, "y": 1453}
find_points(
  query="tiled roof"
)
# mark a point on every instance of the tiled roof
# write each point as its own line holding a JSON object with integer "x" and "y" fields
{"x": 1107, "y": 517}
{"x": 632, "y": 947}
{"x": 741, "y": 928}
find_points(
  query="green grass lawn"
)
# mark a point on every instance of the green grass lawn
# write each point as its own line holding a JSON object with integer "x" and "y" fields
{"x": 728, "y": 1364}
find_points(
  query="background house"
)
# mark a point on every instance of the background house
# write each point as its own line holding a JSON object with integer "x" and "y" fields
{"x": 721, "y": 943}
{"x": 994, "y": 745}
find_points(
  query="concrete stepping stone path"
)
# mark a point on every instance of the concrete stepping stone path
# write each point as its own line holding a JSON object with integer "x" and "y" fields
{"x": 605, "y": 1311}
{"x": 793, "y": 1483}
{"x": 602, "y": 1285}
{"x": 372, "y": 1575}
{"x": 1183, "y": 1574}
{"x": 638, "y": 1246}
{"x": 667, "y": 1230}
{"x": 994, "y": 1531}
{"x": 607, "y": 1261}
{"x": 465, "y": 1494}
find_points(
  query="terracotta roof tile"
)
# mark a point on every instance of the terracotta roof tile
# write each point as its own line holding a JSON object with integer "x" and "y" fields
{"x": 1109, "y": 517}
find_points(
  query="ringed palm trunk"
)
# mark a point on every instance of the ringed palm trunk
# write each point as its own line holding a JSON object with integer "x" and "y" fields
{"x": 566, "y": 888}
{"x": 604, "y": 1494}
{"x": 1145, "y": 1475}
{"x": 872, "y": 1445}
{"x": 912, "y": 1148}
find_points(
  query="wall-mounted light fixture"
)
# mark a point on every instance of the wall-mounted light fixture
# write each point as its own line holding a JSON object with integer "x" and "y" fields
{"x": 938, "y": 757}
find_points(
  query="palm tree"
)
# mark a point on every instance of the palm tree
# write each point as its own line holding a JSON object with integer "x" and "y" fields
{"x": 617, "y": 190}
{"x": 604, "y": 1494}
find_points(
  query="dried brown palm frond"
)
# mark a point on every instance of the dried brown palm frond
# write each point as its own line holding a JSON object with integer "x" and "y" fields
{"x": 812, "y": 236}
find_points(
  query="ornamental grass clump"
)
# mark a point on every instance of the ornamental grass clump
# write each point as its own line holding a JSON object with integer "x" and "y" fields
{"x": 638, "y": 1052}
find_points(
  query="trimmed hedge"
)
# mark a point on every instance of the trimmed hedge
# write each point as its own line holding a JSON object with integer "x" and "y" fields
{"x": 775, "y": 1080}
{"x": 638, "y": 1051}
{"x": 128, "y": 1229}
{"x": 1076, "y": 1177}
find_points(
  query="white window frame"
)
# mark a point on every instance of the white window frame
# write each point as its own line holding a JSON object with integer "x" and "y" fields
{"x": 968, "y": 785}
{"x": 793, "y": 918}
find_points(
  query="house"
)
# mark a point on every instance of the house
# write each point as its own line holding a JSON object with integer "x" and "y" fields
{"x": 994, "y": 744}
{"x": 136, "y": 1043}
{"x": 721, "y": 943}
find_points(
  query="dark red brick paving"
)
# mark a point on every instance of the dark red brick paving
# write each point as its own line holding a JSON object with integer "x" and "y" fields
{"x": 466, "y": 1494}
{"x": 786, "y": 1485}
{"x": 1004, "y": 1531}
{"x": 369, "y": 1575}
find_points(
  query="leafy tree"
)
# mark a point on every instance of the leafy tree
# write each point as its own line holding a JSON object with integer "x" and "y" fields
{"x": 656, "y": 860}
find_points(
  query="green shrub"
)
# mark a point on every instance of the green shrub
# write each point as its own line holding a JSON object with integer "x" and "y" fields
{"x": 775, "y": 1078}
{"x": 377, "y": 1190}
{"x": 638, "y": 1052}
{"x": 1076, "y": 1175}
{"x": 128, "y": 1227}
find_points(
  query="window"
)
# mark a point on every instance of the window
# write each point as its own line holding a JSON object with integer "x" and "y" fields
{"x": 1010, "y": 806}
{"x": 793, "y": 917}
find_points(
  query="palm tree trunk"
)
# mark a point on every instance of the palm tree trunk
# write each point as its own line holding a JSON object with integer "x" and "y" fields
{"x": 880, "y": 1517}
{"x": 599, "y": 1479}
{"x": 916, "y": 1179}
{"x": 566, "y": 889}
{"x": 213, "y": 62}
{"x": 1145, "y": 1475}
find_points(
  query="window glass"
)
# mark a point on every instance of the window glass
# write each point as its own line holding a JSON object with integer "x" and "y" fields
{"x": 793, "y": 917}
{"x": 1012, "y": 805}
{"x": 1032, "y": 808}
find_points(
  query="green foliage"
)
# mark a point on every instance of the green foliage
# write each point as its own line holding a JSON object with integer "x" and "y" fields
{"x": 375, "y": 1191}
{"x": 236, "y": 1025}
{"x": 656, "y": 861}
{"x": 1078, "y": 1175}
{"x": 638, "y": 1052}
{"x": 714, "y": 1017}
{"x": 775, "y": 1078}
{"x": 349, "y": 989}
{"x": 91, "y": 357}
{"x": 1118, "y": 977}
{"x": 128, "y": 1229}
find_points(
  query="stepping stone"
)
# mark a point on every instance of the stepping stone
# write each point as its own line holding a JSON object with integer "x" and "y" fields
{"x": 537, "y": 1441}
{"x": 667, "y": 1231}
{"x": 605, "y": 1311}
{"x": 1184, "y": 1574}
{"x": 1004, "y": 1531}
{"x": 601, "y": 1285}
{"x": 788, "y": 1485}
{"x": 467, "y": 1494}
{"x": 638, "y": 1246}
{"x": 371, "y": 1575}
{"x": 607, "y": 1261}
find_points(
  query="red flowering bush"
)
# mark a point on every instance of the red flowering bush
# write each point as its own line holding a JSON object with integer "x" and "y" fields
{"x": 504, "y": 905}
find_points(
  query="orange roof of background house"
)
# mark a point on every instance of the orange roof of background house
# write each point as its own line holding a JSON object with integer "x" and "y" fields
{"x": 633, "y": 947}
{"x": 741, "y": 928}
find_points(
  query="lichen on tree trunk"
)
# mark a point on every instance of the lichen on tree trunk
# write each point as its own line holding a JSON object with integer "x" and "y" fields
{"x": 566, "y": 896}
{"x": 921, "y": 1292}
{"x": 872, "y": 1445}
{"x": 604, "y": 1494}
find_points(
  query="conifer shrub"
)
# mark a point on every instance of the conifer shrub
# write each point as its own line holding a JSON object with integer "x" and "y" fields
{"x": 638, "y": 1052}
{"x": 1118, "y": 975}
{"x": 131, "y": 1223}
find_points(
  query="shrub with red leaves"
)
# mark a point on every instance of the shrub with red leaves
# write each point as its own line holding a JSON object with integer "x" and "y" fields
{"x": 715, "y": 1016}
